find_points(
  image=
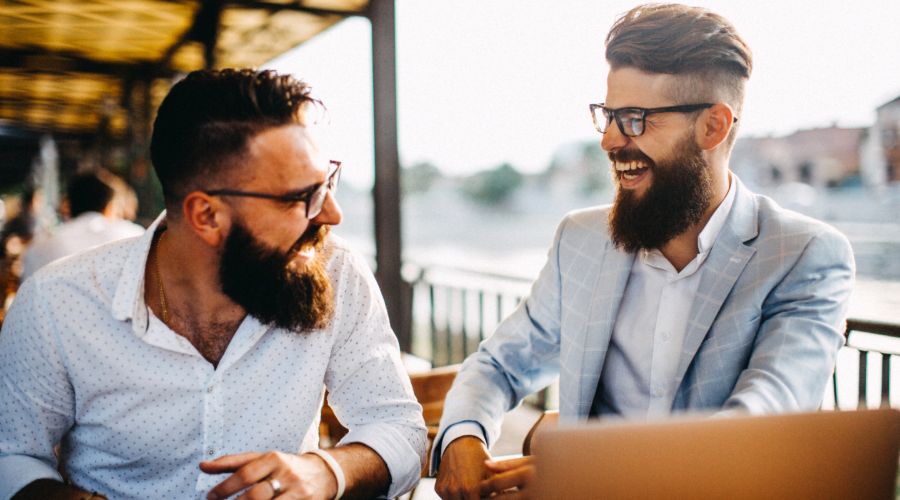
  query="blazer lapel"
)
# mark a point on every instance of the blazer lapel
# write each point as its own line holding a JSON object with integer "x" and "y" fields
{"x": 595, "y": 334}
{"x": 726, "y": 261}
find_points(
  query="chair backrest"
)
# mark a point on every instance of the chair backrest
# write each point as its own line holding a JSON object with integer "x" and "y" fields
{"x": 430, "y": 388}
{"x": 548, "y": 420}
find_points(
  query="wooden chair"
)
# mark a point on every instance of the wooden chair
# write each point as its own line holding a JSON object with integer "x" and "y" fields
{"x": 430, "y": 388}
{"x": 549, "y": 420}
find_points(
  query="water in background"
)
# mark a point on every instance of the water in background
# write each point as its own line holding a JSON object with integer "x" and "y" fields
{"x": 443, "y": 227}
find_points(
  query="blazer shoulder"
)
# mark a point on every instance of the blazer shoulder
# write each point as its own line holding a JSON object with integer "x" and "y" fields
{"x": 776, "y": 221}
{"x": 591, "y": 219}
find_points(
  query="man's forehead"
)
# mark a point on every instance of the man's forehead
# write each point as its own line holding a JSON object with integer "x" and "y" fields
{"x": 284, "y": 154}
{"x": 629, "y": 86}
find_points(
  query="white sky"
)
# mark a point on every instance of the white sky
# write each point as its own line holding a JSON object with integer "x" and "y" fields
{"x": 481, "y": 82}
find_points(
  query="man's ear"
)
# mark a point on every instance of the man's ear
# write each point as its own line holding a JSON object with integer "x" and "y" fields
{"x": 714, "y": 125}
{"x": 207, "y": 216}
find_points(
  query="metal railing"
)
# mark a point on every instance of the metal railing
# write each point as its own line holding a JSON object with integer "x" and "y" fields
{"x": 454, "y": 309}
{"x": 871, "y": 342}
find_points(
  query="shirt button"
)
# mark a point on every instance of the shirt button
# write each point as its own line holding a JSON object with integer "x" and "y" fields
{"x": 210, "y": 452}
{"x": 210, "y": 388}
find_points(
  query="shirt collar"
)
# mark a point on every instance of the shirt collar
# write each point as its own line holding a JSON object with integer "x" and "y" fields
{"x": 714, "y": 226}
{"x": 128, "y": 302}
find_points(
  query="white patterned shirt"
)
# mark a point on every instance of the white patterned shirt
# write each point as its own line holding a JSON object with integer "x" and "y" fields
{"x": 136, "y": 408}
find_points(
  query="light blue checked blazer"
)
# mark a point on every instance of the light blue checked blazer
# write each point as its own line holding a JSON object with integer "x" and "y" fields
{"x": 763, "y": 333}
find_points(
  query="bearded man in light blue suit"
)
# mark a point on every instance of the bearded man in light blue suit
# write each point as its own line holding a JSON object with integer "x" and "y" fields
{"x": 690, "y": 292}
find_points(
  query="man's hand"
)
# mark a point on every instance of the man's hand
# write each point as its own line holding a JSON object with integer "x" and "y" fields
{"x": 462, "y": 469}
{"x": 510, "y": 478}
{"x": 300, "y": 476}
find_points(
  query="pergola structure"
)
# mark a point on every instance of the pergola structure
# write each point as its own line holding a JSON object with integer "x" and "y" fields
{"x": 96, "y": 70}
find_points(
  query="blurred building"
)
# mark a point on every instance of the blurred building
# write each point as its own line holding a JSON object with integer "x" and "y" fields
{"x": 880, "y": 150}
{"x": 820, "y": 157}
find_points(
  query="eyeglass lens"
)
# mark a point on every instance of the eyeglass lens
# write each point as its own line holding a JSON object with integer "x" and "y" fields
{"x": 317, "y": 200}
{"x": 630, "y": 121}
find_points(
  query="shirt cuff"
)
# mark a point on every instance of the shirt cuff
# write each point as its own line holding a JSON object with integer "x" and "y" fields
{"x": 18, "y": 471}
{"x": 461, "y": 429}
{"x": 402, "y": 448}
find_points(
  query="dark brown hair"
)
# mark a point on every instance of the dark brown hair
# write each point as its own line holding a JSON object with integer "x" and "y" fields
{"x": 203, "y": 125}
{"x": 702, "y": 48}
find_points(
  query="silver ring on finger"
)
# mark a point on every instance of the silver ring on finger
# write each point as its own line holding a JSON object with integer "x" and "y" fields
{"x": 275, "y": 485}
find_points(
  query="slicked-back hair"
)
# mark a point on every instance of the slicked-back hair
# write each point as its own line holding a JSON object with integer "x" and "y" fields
{"x": 701, "y": 47}
{"x": 203, "y": 125}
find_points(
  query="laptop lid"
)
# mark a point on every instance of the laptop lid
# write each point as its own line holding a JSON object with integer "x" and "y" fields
{"x": 844, "y": 454}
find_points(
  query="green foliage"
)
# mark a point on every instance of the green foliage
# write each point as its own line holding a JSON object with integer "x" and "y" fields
{"x": 493, "y": 187}
{"x": 419, "y": 178}
{"x": 597, "y": 172}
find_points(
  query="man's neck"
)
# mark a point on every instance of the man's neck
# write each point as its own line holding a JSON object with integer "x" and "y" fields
{"x": 182, "y": 287}
{"x": 682, "y": 249}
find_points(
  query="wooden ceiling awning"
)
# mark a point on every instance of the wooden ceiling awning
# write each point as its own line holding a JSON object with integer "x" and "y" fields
{"x": 66, "y": 66}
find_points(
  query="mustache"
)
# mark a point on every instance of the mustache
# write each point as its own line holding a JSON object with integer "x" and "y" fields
{"x": 628, "y": 155}
{"x": 314, "y": 236}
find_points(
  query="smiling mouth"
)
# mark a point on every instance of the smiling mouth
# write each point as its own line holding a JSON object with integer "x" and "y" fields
{"x": 631, "y": 170}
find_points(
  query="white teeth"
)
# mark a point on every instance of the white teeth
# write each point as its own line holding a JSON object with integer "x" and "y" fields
{"x": 632, "y": 165}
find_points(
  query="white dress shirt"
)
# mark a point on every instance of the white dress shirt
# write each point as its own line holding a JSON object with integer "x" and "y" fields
{"x": 136, "y": 408}
{"x": 85, "y": 231}
{"x": 638, "y": 377}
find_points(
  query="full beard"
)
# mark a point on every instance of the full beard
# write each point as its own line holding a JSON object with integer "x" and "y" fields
{"x": 263, "y": 281}
{"x": 678, "y": 197}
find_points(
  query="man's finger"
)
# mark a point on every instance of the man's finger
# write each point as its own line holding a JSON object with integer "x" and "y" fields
{"x": 249, "y": 474}
{"x": 506, "y": 480}
{"x": 228, "y": 463}
{"x": 262, "y": 489}
{"x": 505, "y": 465}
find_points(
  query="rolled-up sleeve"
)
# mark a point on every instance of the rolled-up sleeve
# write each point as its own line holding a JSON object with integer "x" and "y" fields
{"x": 369, "y": 389}
{"x": 36, "y": 399}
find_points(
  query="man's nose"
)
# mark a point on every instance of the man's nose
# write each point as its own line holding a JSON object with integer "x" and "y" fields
{"x": 613, "y": 139}
{"x": 331, "y": 214}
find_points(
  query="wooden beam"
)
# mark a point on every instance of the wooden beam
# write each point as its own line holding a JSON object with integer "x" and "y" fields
{"x": 292, "y": 7}
{"x": 386, "y": 192}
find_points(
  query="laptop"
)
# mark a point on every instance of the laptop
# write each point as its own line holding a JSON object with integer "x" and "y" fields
{"x": 821, "y": 455}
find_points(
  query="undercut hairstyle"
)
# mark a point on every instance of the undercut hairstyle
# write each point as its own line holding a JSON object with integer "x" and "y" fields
{"x": 203, "y": 125}
{"x": 703, "y": 49}
{"x": 88, "y": 193}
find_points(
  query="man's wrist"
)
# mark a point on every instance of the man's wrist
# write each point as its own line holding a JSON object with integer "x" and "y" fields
{"x": 336, "y": 471}
{"x": 466, "y": 428}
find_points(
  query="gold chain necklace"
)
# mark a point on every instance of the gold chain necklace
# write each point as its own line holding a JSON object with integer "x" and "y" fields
{"x": 159, "y": 283}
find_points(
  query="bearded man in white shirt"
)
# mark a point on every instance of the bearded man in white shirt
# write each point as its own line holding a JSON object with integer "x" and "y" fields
{"x": 192, "y": 362}
{"x": 689, "y": 293}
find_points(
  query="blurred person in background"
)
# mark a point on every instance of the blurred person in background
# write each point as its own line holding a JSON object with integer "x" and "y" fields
{"x": 15, "y": 237}
{"x": 21, "y": 229}
{"x": 192, "y": 362}
{"x": 96, "y": 209}
{"x": 688, "y": 293}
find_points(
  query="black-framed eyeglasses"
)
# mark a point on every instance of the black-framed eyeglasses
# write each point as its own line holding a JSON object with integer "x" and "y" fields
{"x": 631, "y": 120}
{"x": 313, "y": 197}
